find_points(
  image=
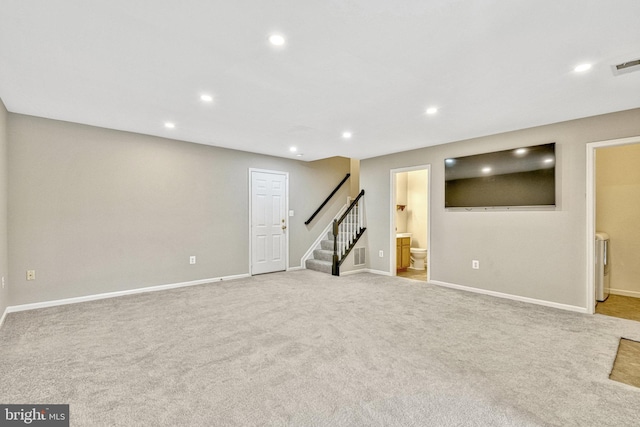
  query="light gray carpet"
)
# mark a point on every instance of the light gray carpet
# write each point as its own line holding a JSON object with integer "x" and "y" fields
{"x": 304, "y": 348}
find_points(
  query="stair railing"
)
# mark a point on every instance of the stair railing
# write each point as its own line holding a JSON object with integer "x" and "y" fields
{"x": 307, "y": 222}
{"x": 347, "y": 230}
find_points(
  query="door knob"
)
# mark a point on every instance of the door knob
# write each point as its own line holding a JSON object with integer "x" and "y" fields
{"x": 284, "y": 227}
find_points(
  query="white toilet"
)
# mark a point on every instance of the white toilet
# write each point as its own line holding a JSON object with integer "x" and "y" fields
{"x": 418, "y": 257}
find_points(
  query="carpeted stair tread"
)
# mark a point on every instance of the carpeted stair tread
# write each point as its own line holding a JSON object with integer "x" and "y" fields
{"x": 319, "y": 265}
{"x": 323, "y": 255}
{"x": 327, "y": 245}
{"x": 323, "y": 258}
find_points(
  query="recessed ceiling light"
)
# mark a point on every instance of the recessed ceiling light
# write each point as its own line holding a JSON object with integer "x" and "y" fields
{"x": 521, "y": 151}
{"x": 549, "y": 160}
{"x": 449, "y": 161}
{"x": 276, "y": 40}
{"x": 169, "y": 125}
{"x": 299, "y": 155}
{"x": 347, "y": 135}
{"x": 432, "y": 110}
{"x": 206, "y": 98}
{"x": 486, "y": 170}
{"x": 582, "y": 68}
{"x": 293, "y": 149}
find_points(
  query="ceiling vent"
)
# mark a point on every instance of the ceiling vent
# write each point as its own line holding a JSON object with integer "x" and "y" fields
{"x": 626, "y": 67}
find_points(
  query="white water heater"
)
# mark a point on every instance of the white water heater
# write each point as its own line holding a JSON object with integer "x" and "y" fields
{"x": 602, "y": 266}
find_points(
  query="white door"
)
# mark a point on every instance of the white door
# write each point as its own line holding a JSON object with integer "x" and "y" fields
{"x": 268, "y": 222}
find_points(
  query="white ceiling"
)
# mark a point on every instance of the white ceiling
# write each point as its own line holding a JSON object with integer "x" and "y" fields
{"x": 368, "y": 66}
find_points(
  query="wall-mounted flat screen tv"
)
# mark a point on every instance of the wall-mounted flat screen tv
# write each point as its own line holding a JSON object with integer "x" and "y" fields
{"x": 521, "y": 177}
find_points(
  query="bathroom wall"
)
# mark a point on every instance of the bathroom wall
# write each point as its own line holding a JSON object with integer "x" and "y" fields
{"x": 617, "y": 213}
{"x": 401, "y": 199}
{"x": 411, "y": 191}
{"x": 416, "y": 211}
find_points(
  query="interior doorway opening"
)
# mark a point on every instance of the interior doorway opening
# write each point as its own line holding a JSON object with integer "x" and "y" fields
{"x": 410, "y": 218}
{"x": 603, "y": 204}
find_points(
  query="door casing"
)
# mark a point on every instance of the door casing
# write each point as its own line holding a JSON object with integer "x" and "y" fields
{"x": 392, "y": 216}
{"x": 591, "y": 212}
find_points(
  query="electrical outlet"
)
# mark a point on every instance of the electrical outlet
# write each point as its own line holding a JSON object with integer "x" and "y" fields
{"x": 475, "y": 264}
{"x": 192, "y": 259}
{"x": 381, "y": 254}
{"x": 31, "y": 275}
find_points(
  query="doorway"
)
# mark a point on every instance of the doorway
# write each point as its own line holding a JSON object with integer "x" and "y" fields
{"x": 268, "y": 221}
{"x": 610, "y": 202}
{"x": 410, "y": 235}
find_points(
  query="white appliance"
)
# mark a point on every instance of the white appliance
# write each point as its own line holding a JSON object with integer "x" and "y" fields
{"x": 602, "y": 266}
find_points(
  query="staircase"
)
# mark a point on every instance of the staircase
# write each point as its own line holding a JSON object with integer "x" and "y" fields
{"x": 346, "y": 232}
{"x": 323, "y": 257}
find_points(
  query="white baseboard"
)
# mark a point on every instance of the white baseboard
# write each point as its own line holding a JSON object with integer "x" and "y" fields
{"x": 625, "y": 293}
{"x": 350, "y": 272}
{"x": 511, "y": 297}
{"x": 4, "y": 315}
{"x": 482, "y": 291}
{"x": 75, "y": 300}
{"x": 295, "y": 268}
{"x": 366, "y": 270}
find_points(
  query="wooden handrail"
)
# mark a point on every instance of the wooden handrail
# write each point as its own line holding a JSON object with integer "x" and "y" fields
{"x": 351, "y": 206}
{"x": 307, "y": 222}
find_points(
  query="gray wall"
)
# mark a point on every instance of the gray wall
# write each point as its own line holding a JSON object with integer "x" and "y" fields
{"x": 4, "y": 268}
{"x": 535, "y": 254}
{"x": 96, "y": 210}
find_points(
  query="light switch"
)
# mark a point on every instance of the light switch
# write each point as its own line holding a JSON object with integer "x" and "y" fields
{"x": 291, "y": 213}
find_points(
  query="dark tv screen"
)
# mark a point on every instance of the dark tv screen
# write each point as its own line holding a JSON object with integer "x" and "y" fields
{"x": 521, "y": 177}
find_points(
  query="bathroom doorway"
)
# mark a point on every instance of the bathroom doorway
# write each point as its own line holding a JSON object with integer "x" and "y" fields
{"x": 616, "y": 200}
{"x": 613, "y": 185}
{"x": 409, "y": 217}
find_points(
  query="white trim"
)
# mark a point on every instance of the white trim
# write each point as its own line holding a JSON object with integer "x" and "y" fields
{"x": 591, "y": 229}
{"x": 392, "y": 216}
{"x": 625, "y": 293}
{"x": 295, "y": 268}
{"x": 4, "y": 316}
{"x": 591, "y": 211}
{"x": 511, "y": 297}
{"x": 95, "y": 297}
{"x": 356, "y": 271}
{"x": 286, "y": 216}
{"x": 366, "y": 270}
